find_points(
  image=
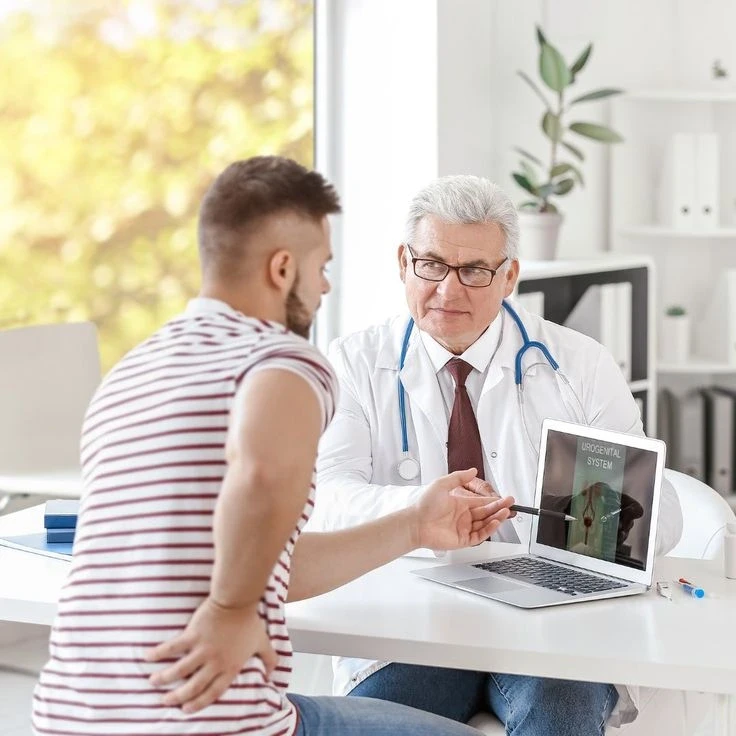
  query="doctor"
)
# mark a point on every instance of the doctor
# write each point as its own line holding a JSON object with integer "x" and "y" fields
{"x": 403, "y": 414}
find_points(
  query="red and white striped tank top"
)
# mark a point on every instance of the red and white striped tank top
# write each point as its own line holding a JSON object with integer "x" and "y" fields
{"x": 153, "y": 461}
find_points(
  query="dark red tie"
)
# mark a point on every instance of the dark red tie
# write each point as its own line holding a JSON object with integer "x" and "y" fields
{"x": 464, "y": 449}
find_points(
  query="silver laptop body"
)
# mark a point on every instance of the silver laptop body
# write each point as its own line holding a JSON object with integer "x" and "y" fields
{"x": 611, "y": 482}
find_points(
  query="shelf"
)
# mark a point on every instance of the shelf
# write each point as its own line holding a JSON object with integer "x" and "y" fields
{"x": 641, "y": 385}
{"x": 660, "y": 231}
{"x": 682, "y": 95}
{"x": 696, "y": 366}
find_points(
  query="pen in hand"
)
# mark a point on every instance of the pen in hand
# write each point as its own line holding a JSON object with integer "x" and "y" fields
{"x": 541, "y": 512}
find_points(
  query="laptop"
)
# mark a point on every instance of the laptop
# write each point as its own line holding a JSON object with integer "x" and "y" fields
{"x": 611, "y": 483}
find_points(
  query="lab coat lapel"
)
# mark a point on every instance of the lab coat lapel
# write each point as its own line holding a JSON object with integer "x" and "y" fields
{"x": 427, "y": 405}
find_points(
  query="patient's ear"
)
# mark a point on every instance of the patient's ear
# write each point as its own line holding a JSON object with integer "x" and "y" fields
{"x": 282, "y": 270}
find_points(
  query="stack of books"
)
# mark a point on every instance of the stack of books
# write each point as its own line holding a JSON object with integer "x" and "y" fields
{"x": 60, "y": 523}
{"x": 60, "y": 520}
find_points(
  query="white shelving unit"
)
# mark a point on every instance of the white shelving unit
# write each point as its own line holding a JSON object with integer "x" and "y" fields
{"x": 687, "y": 262}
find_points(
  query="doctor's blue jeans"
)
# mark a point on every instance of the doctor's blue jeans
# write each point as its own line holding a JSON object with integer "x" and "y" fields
{"x": 528, "y": 706}
{"x": 340, "y": 716}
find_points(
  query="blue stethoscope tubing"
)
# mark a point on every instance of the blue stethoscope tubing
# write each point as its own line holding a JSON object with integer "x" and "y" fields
{"x": 408, "y": 467}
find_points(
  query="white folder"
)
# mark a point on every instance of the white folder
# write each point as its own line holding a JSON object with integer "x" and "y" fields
{"x": 600, "y": 313}
{"x": 707, "y": 210}
{"x": 624, "y": 301}
{"x": 677, "y": 184}
{"x": 716, "y": 335}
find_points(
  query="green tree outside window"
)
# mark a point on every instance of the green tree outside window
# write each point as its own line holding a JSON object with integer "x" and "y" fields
{"x": 115, "y": 115}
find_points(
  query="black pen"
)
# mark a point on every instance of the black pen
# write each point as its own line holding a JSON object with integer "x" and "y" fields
{"x": 541, "y": 512}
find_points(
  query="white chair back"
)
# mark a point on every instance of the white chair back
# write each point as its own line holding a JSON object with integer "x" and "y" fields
{"x": 48, "y": 374}
{"x": 705, "y": 514}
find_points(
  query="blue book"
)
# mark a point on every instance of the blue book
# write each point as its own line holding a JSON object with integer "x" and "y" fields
{"x": 61, "y": 514}
{"x": 55, "y": 536}
{"x": 37, "y": 544}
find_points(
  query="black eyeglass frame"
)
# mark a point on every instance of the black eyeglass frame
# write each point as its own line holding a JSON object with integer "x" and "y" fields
{"x": 457, "y": 269}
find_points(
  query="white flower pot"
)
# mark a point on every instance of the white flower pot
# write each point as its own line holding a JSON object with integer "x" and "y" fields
{"x": 674, "y": 339}
{"x": 539, "y": 232}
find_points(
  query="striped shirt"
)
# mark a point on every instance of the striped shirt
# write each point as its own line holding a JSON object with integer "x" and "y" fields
{"x": 153, "y": 462}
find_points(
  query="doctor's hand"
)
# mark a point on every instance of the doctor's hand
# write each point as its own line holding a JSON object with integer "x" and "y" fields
{"x": 449, "y": 516}
{"x": 210, "y": 653}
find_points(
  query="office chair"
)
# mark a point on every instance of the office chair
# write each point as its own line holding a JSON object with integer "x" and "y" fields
{"x": 48, "y": 374}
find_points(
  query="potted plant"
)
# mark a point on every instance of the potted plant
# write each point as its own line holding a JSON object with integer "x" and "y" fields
{"x": 674, "y": 343}
{"x": 556, "y": 175}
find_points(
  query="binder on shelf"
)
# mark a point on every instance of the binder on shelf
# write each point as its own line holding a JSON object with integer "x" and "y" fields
{"x": 677, "y": 185}
{"x": 604, "y": 313}
{"x": 716, "y": 338}
{"x": 681, "y": 424}
{"x": 707, "y": 182}
{"x": 719, "y": 439}
{"x": 532, "y": 301}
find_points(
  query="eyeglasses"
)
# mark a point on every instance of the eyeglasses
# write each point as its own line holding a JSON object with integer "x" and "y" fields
{"x": 474, "y": 276}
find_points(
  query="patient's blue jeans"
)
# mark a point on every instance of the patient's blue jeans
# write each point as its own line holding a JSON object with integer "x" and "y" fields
{"x": 337, "y": 716}
{"x": 529, "y": 706}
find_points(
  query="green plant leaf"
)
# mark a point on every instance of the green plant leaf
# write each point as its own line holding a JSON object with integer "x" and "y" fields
{"x": 528, "y": 155}
{"x": 545, "y": 190}
{"x": 540, "y": 36}
{"x": 551, "y": 126}
{"x": 552, "y": 68}
{"x": 573, "y": 150}
{"x": 597, "y": 95}
{"x": 564, "y": 186}
{"x": 524, "y": 183}
{"x": 581, "y": 61}
{"x": 596, "y": 132}
{"x": 529, "y": 204}
{"x": 529, "y": 173}
{"x": 536, "y": 89}
{"x": 565, "y": 168}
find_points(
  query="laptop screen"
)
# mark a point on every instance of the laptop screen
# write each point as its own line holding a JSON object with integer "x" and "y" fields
{"x": 609, "y": 488}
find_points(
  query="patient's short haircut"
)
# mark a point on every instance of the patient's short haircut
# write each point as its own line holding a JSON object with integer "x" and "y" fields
{"x": 246, "y": 193}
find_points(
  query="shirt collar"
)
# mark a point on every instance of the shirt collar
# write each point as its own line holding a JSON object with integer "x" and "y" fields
{"x": 207, "y": 305}
{"x": 478, "y": 355}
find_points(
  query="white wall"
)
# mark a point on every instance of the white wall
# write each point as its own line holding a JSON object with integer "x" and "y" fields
{"x": 429, "y": 87}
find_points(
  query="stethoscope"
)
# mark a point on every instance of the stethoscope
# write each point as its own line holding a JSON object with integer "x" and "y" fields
{"x": 408, "y": 467}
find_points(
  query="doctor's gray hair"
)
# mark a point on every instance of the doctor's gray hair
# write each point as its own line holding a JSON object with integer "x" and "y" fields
{"x": 466, "y": 200}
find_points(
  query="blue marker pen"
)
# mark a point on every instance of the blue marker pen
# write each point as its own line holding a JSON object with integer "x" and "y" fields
{"x": 691, "y": 589}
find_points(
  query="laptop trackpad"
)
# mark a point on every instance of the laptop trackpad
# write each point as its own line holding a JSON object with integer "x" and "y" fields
{"x": 488, "y": 585}
{"x": 508, "y": 591}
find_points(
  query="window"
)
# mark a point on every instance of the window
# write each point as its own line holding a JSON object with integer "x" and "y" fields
{"x": 115, "y": 115}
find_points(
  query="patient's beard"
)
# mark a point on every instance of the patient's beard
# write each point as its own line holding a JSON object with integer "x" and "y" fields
{"x": 298, "y": 319}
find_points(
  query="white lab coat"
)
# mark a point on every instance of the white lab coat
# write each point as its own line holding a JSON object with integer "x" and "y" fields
{"x": 358, "y": 478}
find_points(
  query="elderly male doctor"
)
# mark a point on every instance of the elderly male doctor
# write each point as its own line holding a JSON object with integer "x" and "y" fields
{"x": 458, "y": 261}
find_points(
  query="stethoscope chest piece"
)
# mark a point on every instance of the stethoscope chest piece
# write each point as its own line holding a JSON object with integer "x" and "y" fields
{"x": 408, "y": 468}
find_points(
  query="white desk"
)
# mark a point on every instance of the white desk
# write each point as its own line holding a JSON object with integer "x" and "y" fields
{"x": 390, "y": 614}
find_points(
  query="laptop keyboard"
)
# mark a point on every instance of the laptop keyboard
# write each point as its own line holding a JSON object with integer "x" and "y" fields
{"x": 538, "y": 572}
